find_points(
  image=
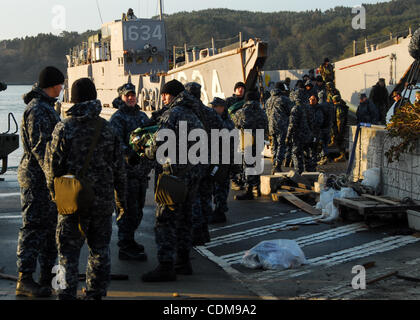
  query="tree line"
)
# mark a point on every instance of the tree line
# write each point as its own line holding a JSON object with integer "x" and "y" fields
{"x": 295, "y": 39}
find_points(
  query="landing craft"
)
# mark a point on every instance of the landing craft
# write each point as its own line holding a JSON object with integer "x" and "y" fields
{"x": 136, "y": 51}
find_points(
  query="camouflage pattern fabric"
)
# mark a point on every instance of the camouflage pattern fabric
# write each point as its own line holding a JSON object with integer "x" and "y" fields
{"x": 124, "y": 121}
{"x": 65, "y": 155}
{"x": 253, "y": 117}
{"x": 39, "y": 214}
{"x": 221, "y": 190}
{"x": 327, "y": 72}
{"x": 340, "y": 124}
{"x": 70, "y": 241}
{"x": 173, "y": 224}
{"x": 278, "y": 109}
{"x": 299, "y": 135}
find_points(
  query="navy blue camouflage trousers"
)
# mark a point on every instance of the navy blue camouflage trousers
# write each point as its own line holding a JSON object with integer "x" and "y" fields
{"x": 97, "y": 231}
{"x": 129, "y": 221}
{"x": 173, "y": 227}
{"x": 36, "y": 240}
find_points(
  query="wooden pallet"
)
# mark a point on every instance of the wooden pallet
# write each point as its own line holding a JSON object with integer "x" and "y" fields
{"x": 368, "y": 206}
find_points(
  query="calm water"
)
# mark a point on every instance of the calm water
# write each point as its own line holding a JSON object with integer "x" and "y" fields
{"x": 11, "y": 101}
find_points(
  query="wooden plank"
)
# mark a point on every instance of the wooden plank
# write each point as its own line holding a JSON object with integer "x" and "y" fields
{"x": 8, "y": 277}
{"x": 299, "y": 203}
{"x": 350, "y": 203}
{"x": 278, "y": 195}
{"x": 380, "y": 199}
{"x": 382, "y": 277}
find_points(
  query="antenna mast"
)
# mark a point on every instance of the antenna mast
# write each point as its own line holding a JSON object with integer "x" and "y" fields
{"x": 160, "y": 10}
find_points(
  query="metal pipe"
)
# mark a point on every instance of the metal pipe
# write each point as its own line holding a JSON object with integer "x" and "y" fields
{"x": 160, "y": 10}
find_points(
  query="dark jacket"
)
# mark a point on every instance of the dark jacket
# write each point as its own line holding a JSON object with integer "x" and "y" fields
{"x": 367, "y": 112}
{"x": 38, "y": 122}
{"x": 278, "y": 109}
{"x": 180, "y": 109}
{"x": 124, "y": 121}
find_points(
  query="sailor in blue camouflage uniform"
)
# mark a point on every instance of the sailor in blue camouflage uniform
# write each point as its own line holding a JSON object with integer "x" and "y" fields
{"x": 221, "y": 188}
{"x": 173, "y": 223}
{"x": 321, "y": 89}
{"x": 36, "y": 240}
{"x": 251, "y": 116}
{"x": 278, "y": 109}
{"x": 66, "y": 154}
{"x": 128, "y": 118}
{"x": 299, "y": 133}
{"x": 308, "y": 91}
{"x": 238, "y": 180}
{"x": 202, "y": 206}
{"x": 316, "y": 119}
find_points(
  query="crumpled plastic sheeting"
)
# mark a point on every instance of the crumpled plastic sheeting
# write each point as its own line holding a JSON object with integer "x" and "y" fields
{"x": 274, "y": 254}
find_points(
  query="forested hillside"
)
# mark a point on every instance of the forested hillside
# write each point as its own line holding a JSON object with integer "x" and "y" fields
{"x": 296, "y": 39}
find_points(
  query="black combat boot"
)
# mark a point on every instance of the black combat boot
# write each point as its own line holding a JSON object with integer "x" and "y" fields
{"x": 247, "y": 195}
{"x": 131, "y": 251}
{"x": 164, "y": 272}
{"x": 183, "y": 263}
{"x": 27, "y": 287}
{"x": 45, "y": 279}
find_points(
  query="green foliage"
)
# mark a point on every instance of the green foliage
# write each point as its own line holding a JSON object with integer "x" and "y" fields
{"x": 296, "y": 39}
{"x": 405, "y": 124}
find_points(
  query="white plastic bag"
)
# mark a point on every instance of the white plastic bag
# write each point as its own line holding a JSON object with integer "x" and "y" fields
{"x": 274, "y": 254}
{"x": 371, "y": 177}
{"x": 326, "y": 203}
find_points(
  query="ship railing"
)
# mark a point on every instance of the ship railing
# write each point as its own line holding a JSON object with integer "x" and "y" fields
{"x": 85, "y": 54}
{"x": 371, "y": 44}
{"x": 194, "y": 52}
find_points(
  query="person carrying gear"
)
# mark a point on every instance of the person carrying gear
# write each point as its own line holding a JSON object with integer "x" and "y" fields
{"x": 36, "y": 240}
{"x": 278, "y": 109}
{"x": 340, "y": 126}
{"x": 128, "y": 118}
{"x": 85, "y": 145}
{"x": 173, "y": 222}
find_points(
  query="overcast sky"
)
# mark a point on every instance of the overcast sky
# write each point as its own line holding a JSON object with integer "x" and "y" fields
{"x": 20, "y": 18}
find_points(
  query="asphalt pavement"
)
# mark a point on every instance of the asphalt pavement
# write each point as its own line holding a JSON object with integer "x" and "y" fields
{"x": 332, "y": 253}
